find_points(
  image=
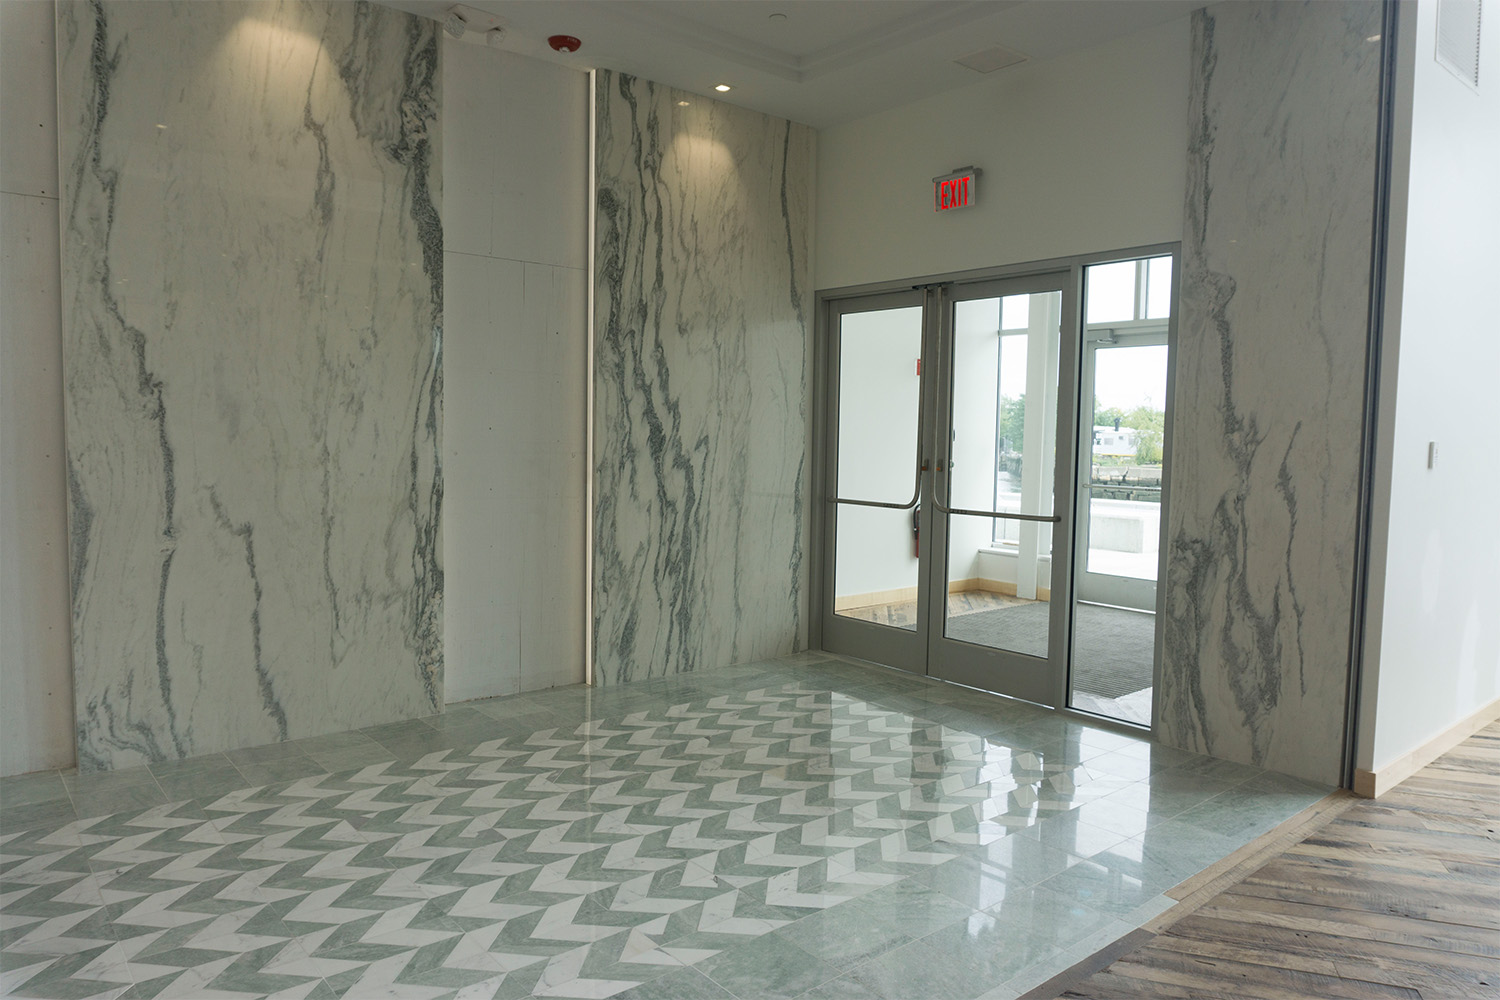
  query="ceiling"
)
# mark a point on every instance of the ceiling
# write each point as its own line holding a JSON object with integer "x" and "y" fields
{"x": 821, "y": 62}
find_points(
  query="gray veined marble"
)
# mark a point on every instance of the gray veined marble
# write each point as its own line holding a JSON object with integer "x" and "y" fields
{"x": 1269, "y": 387}
{"x": 702, "y": 322}
{"x": 252, "y": 293}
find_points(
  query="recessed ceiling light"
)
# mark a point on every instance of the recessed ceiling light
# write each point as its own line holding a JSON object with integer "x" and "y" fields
{"x": 683, "y": 104}
{"x": 723, "y": 88}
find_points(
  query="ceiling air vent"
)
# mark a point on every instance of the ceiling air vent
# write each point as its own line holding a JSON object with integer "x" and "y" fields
{"x": 992, "y": 59}
{"x": 1458, "y": 38}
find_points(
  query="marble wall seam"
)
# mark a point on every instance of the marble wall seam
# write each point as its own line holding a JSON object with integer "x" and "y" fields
{"x": 702, "y": 322}
{"x": 252, "y": 293}
{"x": 1270, "y": 377}
{"x": 516, "y": 158}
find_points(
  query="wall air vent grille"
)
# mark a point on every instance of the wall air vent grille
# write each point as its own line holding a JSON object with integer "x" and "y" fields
{"x": 1458, "y": 38}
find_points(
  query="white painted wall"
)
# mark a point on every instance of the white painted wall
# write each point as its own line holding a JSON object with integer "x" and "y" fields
{"x": 36, "y": 673}
{"x": 515, "y": 233}
{"x": 1080, "y": 153}
{"x": 1433, "y": 642}
{"x": 971, "y": 478}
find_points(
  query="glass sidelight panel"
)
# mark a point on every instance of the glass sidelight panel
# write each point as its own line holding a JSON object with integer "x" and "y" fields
{"x": 1002, "y": 460}
{"x": 879, "y": 399}
{"x": 1122, "y": 436}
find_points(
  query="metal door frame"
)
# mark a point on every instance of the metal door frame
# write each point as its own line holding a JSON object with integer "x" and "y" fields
{"x": 1018, "y": 675}
{"x": 822, "y": 445}
{"x": 867, "y": 640}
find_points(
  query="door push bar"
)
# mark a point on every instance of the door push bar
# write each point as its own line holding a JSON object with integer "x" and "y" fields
{"x": 1006, "y": 515}
{"x": 916, "y": 494}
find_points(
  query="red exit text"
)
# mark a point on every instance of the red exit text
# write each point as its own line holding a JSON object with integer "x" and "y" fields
{"x": 957, "y": 191}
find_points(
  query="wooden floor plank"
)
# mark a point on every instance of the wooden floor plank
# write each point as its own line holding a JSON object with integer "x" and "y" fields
{"x": 1315, "y": 918}
{"x": 1240, "y": 979}
{"x": 1397, "y": 897}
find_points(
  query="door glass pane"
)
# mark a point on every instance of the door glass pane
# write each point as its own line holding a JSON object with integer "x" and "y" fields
{"x": 875, "y": 548}
{"x": 1124, "y": 511}
{"x": 1003, "y": 458}
{"x": 1124, "y": 411}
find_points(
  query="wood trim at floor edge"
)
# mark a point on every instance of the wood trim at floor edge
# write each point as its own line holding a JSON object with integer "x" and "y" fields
{"x": 1196, "y": 891}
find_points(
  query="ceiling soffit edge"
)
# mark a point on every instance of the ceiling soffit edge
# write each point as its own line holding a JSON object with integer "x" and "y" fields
{"x": 869, "y": 43}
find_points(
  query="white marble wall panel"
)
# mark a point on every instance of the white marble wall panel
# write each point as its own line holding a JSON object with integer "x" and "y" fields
{"x": 703, "y": 313}
{"x": 513, "y": 443}
{"x": 515, "y": 184}
{"x": 36, "y": 674}
{"x": 252, "y": 294}
{"x": 1269, "y": 384}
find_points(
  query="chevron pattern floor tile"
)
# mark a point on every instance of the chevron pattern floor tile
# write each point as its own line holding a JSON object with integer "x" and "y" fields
{"x": 799, "y": 827}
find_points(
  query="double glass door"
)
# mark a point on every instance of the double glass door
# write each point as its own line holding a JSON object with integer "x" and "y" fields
{"x": 961, "y": 466}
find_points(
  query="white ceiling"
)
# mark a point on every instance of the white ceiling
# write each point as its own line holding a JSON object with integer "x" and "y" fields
{"x": 825, "y": 61}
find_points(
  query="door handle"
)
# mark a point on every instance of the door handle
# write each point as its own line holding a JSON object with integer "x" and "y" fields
{"x": 937, "y": 501}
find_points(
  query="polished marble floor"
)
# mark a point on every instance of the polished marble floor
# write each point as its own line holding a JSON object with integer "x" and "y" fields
{"x": 803, "y": 827}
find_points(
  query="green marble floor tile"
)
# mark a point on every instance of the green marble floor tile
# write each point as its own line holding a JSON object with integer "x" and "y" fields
{"x": 958, "y": 962}
{"x": 911, "y": 907}
{"x": 395, "y": 730}
{"x": 286, "y": 769}
{"x": 198, "y": 778}
{"x": 679, "y": 984}
{"x": 845, "y": 987}
{"x": 353, "y": 758}
{"x": 1113, "y": 885}
{"x": 333, "y": 742}
{"x": 844, "y": 934}
{"x": 105, "y": 782}
{"x": 975, "y": 885}
{"x": 1070, "y": 834}
{"x": 769, "y": 967}
{"x": 268, "y": 754}
{"x": 126, "y": 798}
{"x": 30, "y": 789}
{"x": 1184, "y": 848}
{"x": 37, "y": 815}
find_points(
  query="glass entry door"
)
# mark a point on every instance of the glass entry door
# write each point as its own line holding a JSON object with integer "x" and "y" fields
{"x": 997, "y": 451}
{"x": 1003, "y": 446}
{"x": 877, "y": 403}
{"x": 950, "y": 449}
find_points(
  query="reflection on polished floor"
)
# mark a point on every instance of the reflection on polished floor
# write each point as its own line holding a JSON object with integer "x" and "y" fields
{"x": 799, "y": 827}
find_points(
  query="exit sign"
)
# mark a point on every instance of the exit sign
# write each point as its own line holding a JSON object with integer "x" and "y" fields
{"x": 958, "y": 189}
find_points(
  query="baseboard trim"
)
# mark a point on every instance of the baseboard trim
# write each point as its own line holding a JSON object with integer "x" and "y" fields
{"x": 1373, "y": 784}
{"x": 851, "y": 602}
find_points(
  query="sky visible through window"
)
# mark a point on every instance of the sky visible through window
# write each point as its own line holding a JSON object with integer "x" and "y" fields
{"x": 1130, "y": 378}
